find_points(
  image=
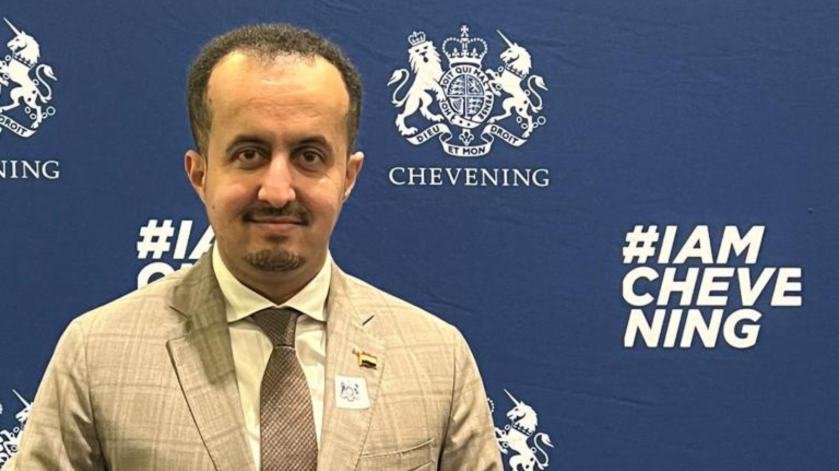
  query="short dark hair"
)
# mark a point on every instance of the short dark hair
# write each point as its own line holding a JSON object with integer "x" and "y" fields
{"x": 266, "y": 41}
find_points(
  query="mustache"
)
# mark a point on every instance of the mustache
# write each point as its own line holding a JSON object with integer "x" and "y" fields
{"x": 292, "y": 210}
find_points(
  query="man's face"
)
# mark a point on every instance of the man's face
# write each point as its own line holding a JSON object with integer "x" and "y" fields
{"x": 276, "y": 171}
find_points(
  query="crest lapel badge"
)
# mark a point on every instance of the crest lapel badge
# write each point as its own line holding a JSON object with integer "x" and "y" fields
{"x": 351, "y": 393}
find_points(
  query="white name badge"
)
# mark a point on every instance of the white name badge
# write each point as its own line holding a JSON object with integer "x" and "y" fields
{"x": 351, "y": 392}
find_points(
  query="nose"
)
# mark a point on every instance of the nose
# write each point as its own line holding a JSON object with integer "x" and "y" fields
{"x": 277, "y": 186}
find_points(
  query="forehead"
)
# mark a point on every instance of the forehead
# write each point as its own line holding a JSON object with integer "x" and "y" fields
{"x": 284, "y": 84}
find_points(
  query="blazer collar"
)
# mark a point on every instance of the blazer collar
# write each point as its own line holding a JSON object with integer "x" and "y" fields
{"x": 349, "y": 329}
{"x": 203, "y": 362}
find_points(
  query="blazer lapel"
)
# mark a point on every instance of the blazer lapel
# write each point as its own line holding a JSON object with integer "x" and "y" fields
{"x": 203, "y": 361}
{"x": 345, "y": 430}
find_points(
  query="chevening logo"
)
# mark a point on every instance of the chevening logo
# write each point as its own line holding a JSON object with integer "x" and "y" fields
{"x": 10, "y": 439}
{"x": 519, "y": 442}
{"x": 465, "y": 94}
{"x": 28, "y": 85}
{"x": 349, "y": 392}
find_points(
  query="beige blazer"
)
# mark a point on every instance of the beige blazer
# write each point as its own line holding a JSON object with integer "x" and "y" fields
{"x": 147, "y": 382}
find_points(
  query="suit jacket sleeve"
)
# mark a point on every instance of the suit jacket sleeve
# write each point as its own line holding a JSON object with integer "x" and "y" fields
{"x": 60, "y": 433}
{"x": 469, "y": 443}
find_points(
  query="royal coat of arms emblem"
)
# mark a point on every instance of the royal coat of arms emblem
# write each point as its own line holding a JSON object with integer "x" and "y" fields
{"x": 466, "y": 95}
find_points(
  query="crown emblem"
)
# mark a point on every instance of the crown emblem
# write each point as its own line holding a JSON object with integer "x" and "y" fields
{"x": 416, "y": 38}
{"x": 465, "y": 50}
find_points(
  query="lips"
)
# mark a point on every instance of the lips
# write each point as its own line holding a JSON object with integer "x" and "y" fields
{"x": 277, "y": 220}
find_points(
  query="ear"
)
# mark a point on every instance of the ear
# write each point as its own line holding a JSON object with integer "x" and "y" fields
{"x": 354, "y": 164}
{"x": 196, "y": 171}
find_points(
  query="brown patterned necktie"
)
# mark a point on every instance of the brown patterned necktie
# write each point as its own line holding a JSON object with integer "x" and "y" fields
{"x": 287, "y": 426}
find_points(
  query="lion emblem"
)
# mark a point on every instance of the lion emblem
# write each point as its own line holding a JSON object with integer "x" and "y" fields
{"x": 427, "y": 67}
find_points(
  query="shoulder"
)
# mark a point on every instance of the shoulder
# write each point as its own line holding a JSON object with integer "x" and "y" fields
{"x": 147, "y": 308}
{"x": 392, "y": 317}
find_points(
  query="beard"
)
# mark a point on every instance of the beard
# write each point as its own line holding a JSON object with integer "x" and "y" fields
{"x": 275, "y": 260}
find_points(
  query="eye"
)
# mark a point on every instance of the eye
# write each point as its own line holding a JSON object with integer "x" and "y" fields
{"x": 310, "y": 157}
{"x": 248, "y": 157}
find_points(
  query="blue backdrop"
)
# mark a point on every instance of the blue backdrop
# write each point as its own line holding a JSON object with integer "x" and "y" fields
{"x": 707, "y": 117}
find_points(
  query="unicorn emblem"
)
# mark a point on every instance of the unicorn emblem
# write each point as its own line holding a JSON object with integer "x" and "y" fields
{"x": 34, "y": 92}
{"x": 516, "y": 69}
{"x": 9, "y": 441}
{"x": 515, "y": 436}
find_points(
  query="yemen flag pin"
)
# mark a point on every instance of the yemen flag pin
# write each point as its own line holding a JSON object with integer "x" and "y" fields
{"x": 365, "y": 359}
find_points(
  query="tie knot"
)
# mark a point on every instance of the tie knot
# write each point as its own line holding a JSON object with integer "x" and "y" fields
{"x": 278, "y": 324}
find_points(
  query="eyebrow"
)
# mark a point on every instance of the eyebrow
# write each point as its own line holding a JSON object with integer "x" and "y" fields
{"x": 253, "y": 139}
{"x": 245, "y": 139}
{"x": 318, "y": 140}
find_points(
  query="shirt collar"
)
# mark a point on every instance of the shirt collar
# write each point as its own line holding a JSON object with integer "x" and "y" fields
{"x": 241, "y": 301}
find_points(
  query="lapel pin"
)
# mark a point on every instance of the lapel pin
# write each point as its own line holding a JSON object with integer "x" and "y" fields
{"x": 365, "y": 359}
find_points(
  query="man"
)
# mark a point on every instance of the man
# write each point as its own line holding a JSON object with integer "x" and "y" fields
{"x": 204, "y": 370}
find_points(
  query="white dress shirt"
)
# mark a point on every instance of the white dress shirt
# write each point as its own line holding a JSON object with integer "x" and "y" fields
{"x": 252, "y": 348}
